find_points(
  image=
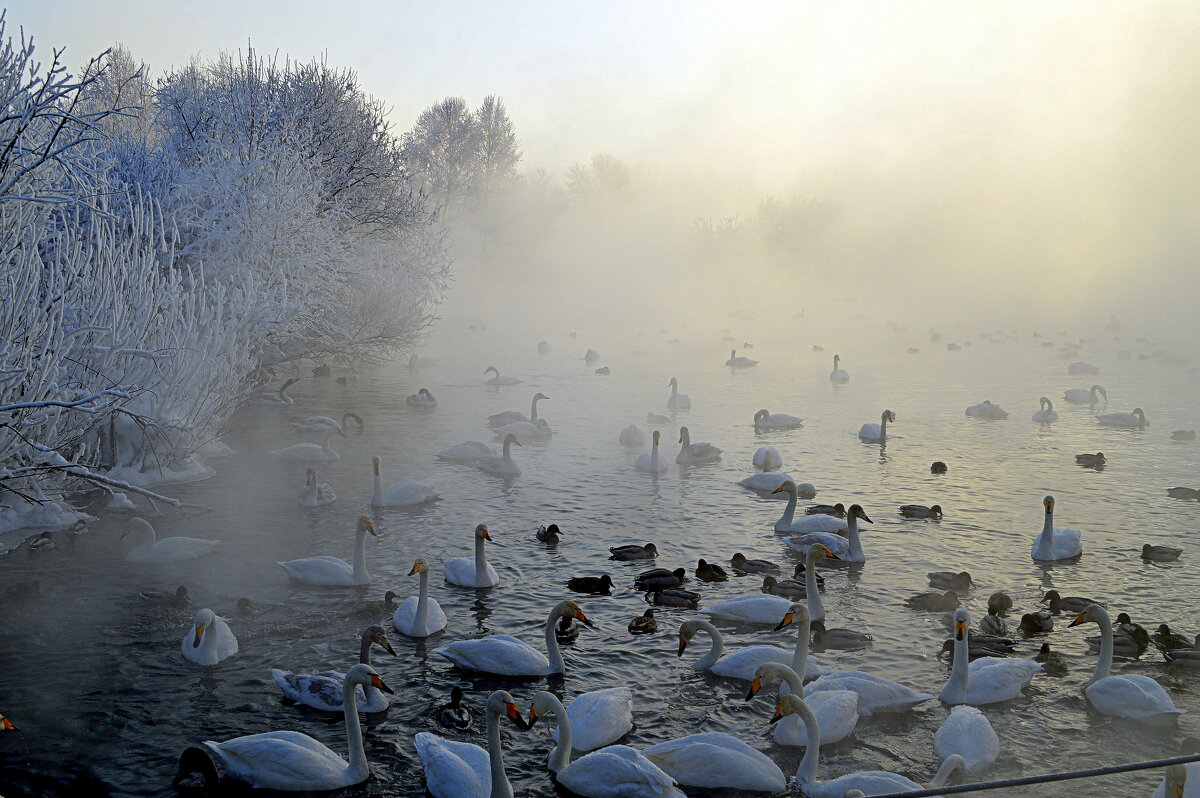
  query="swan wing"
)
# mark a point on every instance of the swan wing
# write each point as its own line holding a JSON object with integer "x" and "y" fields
{"x": 765, "y": 481}
{"x": 742, "y": 664}
{"x": 407, "y": 491}
{"x": 617, "y": 771}
{"x": 870, "y": 782}
{"x": 835, "y": 543}
{"x": 227, "y": 644}
{"x": 453, "y": 769}
{"x": 968, "y": 733}
{"x": 875, "y": 694}
{"x": 837, "y": 715}
{"x": 994, "y": 679}
{"x": 461, "y": 571}
{"x": 820, "y": 523}
{"x": 599, "y": 718}
{"x": 406, "y": 622}
{"x": 500, "y": 654}
{"x": 1131, "y": 696}
{"x": 758, "y": 608}
{"x": 172, "y": 550}
{"x": 321, "y": 570}
{"x": 281, "y": 760}
{"x": 869, "y": 431}
{"x": 715, "y": 760}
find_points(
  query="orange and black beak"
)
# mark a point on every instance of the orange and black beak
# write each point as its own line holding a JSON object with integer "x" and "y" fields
{"x": 682, "y": 645}
{"x": 483, "y": 533}
{"x": 514, "y": 715}
{"x": 1080, "y": 618}
{"x": 415, "y": 569}
{"x": 533, "y": 717}
{"x": 778, "y": 490}
{"x": 371, "y": 529}
{"x": 6, "y": 724}
{"x": 960, "y": 630}
{"x": 778, "y": 716}
{"x": 583, "y": 618}
{"x": 378, "y": 683}
{"x": 199, "y": 635}
{"x": 755, "y": 686}
{"x": 787, "y": 620}
{"x": 386, "y": 645}
{"x": 833, "y": 556}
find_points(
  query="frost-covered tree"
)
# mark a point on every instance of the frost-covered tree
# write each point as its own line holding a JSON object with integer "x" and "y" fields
{"x": 442, "y": 149}
{"x": 603, "y": 175}
{"x": 498, "y": 150}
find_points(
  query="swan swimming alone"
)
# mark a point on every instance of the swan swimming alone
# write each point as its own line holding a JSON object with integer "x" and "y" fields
{"x": 147, "y": 547}
{"x": 276, "y": 398}
{"x": 467, "y": 452}
{"x": 877, "y": 432}
{"x": 315, "y": 494}
{"x": 504, "y": 465}
{"x": 651, "y": 462}
{"x": 324, "y": 690}
{"x": 615, "y": 771}
{"x": 838, "y": 375}
{"x": 464, "y": 770}
{"x": 209, "y": 641}
{"x": 499, "y": 379}
{"x": 1055, "y": 544}
{"x": 765, "y": 421}
{"x": 632, "y": 437}
{"x": 509, "y": 656}
{"x": 1085, "y": 396}
{"x": 986, "y": 409}
{"x": 325, "y": 423}
{"x": 1046, "y": 413}
{"x": 695, "y": 453}
{"x": 330, "y": 571}
{"x": 1131, "y": 696}
{"x": 767, "y": 458}
{"x": 420, "y": 615}
{"x": 511, "y": 416}
{"x": 321, "y": 452}
{"x": 525, "y": 431}
{"x": 677, "y": 400}
{"x": 735, "y": 362}
{"x": 769, "y": 482}
{"x": 476, "y": 571}
{"x": 422, "y": 398}
{"x": 1135, "y": 419}
{"x": 291, "y": 761}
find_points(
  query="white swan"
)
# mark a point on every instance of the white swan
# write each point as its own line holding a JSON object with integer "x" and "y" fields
{"x": 504, "y": 465}
{"x": 422, "y": 398}
{"x": 754, "y": 608}
{"x": 467, "y": 452}
{"x": 508, "y": 656}
{"x": 332, "y": 571}
{"x": 677, "y": 400}
{"x": 599, "y": 718}
{"x": 324, "y": 690}
{"x": 632, "y": 436}
{"x": 1085, "y": 396}
{"x": 717, "y": 761}
{"x": 986, "y": 409}
{"x": 1055, "y": 544}
{"x": 875, "y": 694}
{"x": 767, "y": 458}
{"x": 839, "y": 374}
{"x": 315, "y": 494}
{"x": 836, "y": 710}
{"x": 693, "y": 453}
{"x": 769, "y": 482}
{"x": 1179, "y": 781}
{"x": 420, "y": 615}
{"x": 463, "y": 770}
{"x": 401, "y": 493}
{"x": 743, "y": 663}
{"x": 498, "y": 379}
{"x": 735, "y": 362}
{"x": 1046, "y": 412}
{"x": 968, "y": 733}
{"x": 877, "y": 432}
{"x": 147, "y": 548}
{"x": 321, "y": 452}
{"x": 986, "y": 680}
{"x": 871, "y": 782}
{"x": 277, "y": 398}
{"x": 809, "y": 523}
{"x": 765, "y": 421}
{"x": 473, "y": 571}
{"x": 525, "y": 431}
{"x": 847, "y": 548}
{"x": 325, "y": 423}
{"x": 1131, "y": 696}
{"x": 511, "y": 416}
{"x": 209, "y": 641}
{"x": 651, "y": 462}
{"x": 291, "y": 761}
{"x": 617, "y": 771}
{"x": 1135, "y": 419}
{"x": 1083, "y": 368}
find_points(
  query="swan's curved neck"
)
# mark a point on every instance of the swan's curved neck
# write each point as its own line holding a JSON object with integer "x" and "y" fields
{"x": 789, "y": 512}
{"x": 556, "y": 661}
{"x": 1045, "y": 540}
{"x": 560, "y": 757}
{"x": 481, "y": 564}
{"x": 674, "y": 390}
{"x": 816, "y": 608}
{"x": 377, "y": 493}
{"x": 685, "y": 440}
{"x": 360, "y": 558}
{"x": 960, "y": 667}
{"x": 354, "y": 740}
{"x": 807, "y": 772}
{"x": 714, "y": 651}
{"x": 508, "y": 451}
{"x": 326, "y": 444}
{"x": 533, "y": 410}
{"x": 500, "y": 786}
{"x": 654, "y": 456}
{"x": 803, "y": 630}
{"x": 883, "y": 419}
{"x": 1104, "y": 665}
{"x": 364, "y": 656}
{"x": 208, "y": 643}
{"x": 423, "y": 603}
{"x": 856, "y": 550}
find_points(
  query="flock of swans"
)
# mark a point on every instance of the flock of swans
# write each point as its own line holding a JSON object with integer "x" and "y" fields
{"x": 816, "y": 704}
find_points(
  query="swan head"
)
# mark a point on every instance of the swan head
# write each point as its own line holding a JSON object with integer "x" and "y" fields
{"x": 140, "y": 528}
{"x": 674, "y": 383}
{"x": 204, "y": 619}
{"x": 836, "y": 359}
{"x": 732, "y": 354}
{"x": 797, "y": 613}
{"x": 425, "y": 392}
{"x": 657, "y": 437}
{"x": 310, "y": 476}
{"x": 856, "y": 511}
{"x": 890, "y": 416}
{"x": 789, "y": 704}
{"x": 366, "y": 675}
{"x": 539, "y": 395}
{"x": 1100, "y": 390}
{"x": 1094, "y": 614}
{"x": 767, "y": 673}
{"x": 490, "y": 369}
{"x": 687, "y": 630}
{"x": 1048, "y": 503}
{"x": 420, "y": 566}
{"x": 787, "y": 487}
{"x": 817, "y": 550}
{"x": 544, "y": 703}
{"x": 684, "y": 434}
{"x": 481, "y": 533}
{"x": 376, "y": 634}
{"x": 961, "y": 623}
{"x": 1137, "y": 411}
{"x": 569, "y": 609}
{"x": 365, "y": 526}
{"x": 511, "y": 439}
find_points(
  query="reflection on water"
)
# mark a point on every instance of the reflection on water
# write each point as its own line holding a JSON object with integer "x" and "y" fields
{"x": 93, "y": 675}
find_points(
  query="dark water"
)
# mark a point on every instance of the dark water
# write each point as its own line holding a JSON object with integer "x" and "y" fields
{"x": 94, "y": 677}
